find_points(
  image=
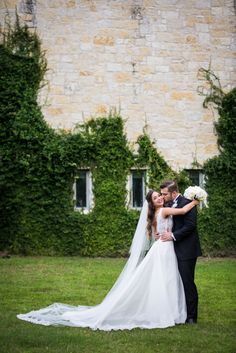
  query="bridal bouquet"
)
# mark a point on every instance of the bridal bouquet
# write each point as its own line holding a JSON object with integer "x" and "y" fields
{"x": 196, "y": 193}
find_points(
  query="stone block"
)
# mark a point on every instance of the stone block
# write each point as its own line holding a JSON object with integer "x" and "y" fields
{"x": 178, "y": 67}
{"x": 55, "y": 111}
{"x": 26, "y": 17}
{"x": 218, "y": 3}
{"x": 190, "y": 39}
{"x": 56, "y": 89}
{"x": 162, "y": 68}
{"x": 202, "y": 27}
{"x": 217, "y": 11}
{"x": 210, "y": 149}
{"x": 70, "y": 3}
{"x": 102, "y": 109}
{"x": 86, "y": 46}
{"x": 203, "y": 4}
{"x": 113, "y": 67}
{"x": 123, "y": 77}
{"x": 85, "y": 73}
{"x": 60, "y": 40}
{"x": 9, "y": 4}
{"x": 182, "y": 95}
{"x": 103, "y": 40}
{"x": 170, "y": 15}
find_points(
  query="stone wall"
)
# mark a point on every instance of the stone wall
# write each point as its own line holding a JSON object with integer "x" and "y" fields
{"x": 139, "y": 57}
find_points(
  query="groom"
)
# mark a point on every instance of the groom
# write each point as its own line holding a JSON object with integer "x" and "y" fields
{"x": 186, "y": 244}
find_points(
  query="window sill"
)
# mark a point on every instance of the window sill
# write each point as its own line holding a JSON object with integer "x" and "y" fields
{"x": 82, "y": 210}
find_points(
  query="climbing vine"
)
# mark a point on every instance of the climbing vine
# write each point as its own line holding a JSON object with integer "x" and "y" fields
{"x": 38, "y": 166}
{"x": 158, "y": 169}
{"x": 217, "y": 224}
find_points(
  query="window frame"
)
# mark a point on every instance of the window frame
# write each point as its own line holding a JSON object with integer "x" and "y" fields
{"x": 201, "y": 176}
{"x": 130, "y": 186}
{"x": 89, "y": 192}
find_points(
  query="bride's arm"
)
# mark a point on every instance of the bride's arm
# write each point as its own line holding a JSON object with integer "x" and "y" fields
{"x": 167, "y": 211}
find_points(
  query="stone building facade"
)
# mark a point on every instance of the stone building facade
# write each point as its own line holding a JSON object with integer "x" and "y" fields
{"x": 140, "y": 57}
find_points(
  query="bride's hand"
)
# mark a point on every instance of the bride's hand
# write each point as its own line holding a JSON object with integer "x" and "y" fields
{"x": 157, "y": 236}
{"x": 167, "y": 236}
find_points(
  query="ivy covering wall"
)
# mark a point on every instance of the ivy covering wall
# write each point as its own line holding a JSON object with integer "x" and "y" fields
{"x": 38, "y": 166}
{"x": 217, "y": 224}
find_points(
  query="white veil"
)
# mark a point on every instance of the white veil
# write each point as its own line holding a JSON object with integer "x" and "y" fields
{"x": 93, "y": 316}
{"x": 140, "y": 245}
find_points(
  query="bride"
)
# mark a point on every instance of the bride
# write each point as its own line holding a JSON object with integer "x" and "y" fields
{"x": 148, "y": 293}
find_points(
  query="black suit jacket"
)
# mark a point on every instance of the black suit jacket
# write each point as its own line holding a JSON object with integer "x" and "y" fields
{"x": 187, "y": 244}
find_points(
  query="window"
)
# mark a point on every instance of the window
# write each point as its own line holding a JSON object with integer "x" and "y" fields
{"x": 29, "y": 6}
{"x": 196, "y": 176}
{"x": 83, "y": 190}
{"x": 137, "y": 188}
{"x": 28, "y": 9}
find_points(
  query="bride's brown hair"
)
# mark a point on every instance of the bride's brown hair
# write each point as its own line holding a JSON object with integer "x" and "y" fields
{"x": 151, "y": 222}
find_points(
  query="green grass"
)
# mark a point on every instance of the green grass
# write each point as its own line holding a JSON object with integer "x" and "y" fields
{"x": 32, "y": 283}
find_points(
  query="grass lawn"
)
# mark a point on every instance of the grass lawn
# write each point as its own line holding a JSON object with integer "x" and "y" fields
{"x": 31, "y": 283}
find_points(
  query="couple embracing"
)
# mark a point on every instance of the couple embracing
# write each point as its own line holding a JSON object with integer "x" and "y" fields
{"x": 156, "y": 288}
{"x": 186, "y": 243}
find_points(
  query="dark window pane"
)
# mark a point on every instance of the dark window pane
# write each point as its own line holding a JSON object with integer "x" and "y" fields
{"x": 194, "y": 176}
{"x": 81, "y": 190}
{"x": 137, "y": 183}
{"x": 29, "y": 7}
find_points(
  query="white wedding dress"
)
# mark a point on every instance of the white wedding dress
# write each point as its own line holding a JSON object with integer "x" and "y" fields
{"x": 148, "y": 294}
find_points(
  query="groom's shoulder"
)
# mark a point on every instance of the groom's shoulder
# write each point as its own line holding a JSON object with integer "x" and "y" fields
{"x": 183, "y": 200}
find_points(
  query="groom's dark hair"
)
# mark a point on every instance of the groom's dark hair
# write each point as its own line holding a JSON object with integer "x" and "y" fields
{"x": 171, "y": 185}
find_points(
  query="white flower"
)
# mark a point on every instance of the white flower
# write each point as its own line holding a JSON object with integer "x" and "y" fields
{"x": 197, "y": 193}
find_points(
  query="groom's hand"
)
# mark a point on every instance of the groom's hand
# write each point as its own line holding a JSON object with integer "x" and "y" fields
{"x": 166, "y": 236}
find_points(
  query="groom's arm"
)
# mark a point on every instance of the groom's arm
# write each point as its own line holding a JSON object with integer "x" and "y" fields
{"x": 190, "y": 223}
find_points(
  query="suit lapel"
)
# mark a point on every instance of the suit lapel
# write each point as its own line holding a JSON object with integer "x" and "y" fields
{"x": 178, "y": 201}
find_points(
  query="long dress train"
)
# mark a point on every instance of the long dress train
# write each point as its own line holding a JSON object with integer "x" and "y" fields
{"x": 152, "y": 297}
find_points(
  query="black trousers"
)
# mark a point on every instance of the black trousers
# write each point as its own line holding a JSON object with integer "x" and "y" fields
{"x": 186, "y": 270}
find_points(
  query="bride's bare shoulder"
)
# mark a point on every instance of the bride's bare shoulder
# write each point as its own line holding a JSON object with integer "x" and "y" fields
{"x": 162, "y": 212}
